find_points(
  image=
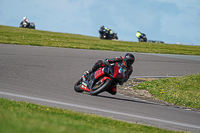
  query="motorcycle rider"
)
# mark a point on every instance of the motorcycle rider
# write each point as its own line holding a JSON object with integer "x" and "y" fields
{"x": 25, "y": 23}
{"x": 139, "y": 35}
{"x": 127, "y": 62}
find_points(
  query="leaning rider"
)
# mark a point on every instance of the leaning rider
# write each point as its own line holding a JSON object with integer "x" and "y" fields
{"x": 25, "y": 23}
{"x": 127, "y": 62}
{"x": 139, "y": 35}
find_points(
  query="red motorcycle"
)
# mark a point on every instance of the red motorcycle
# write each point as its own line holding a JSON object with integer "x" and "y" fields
{"x": 103, "y": 79}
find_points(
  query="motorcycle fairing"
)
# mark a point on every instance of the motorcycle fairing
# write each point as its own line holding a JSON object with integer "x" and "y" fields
{"x": 118, "y": 72}
{"x": 99, "y": 73}
{"x": 114, "y": 73}
{"x": 85, "y": 86}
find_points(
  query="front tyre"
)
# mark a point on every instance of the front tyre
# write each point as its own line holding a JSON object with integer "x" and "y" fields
{"x": 99, "y": 87}
{"x": 77, "y": 86}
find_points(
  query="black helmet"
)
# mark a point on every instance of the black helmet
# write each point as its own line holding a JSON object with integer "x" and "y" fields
{"x": 129, "y": 59}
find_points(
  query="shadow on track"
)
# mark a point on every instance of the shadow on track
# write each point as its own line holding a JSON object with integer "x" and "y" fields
{"x": 127, "y": 99}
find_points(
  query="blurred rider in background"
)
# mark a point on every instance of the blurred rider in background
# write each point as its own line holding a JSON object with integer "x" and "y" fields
{"x": 139, "y": 35}
{"x": 25, "y": 23}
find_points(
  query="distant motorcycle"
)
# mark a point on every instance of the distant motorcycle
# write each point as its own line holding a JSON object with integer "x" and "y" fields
{"x": 143, "y": 38}
{"x": 104, "y": 34}
{"x": 103, "y": 79}
{"x": 25, "y": 25}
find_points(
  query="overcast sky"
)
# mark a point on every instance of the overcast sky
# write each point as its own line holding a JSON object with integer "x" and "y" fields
{"x": 170, "y": 21}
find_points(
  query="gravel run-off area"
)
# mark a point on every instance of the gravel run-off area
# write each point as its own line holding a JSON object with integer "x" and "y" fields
{"x": 127, "y": 90}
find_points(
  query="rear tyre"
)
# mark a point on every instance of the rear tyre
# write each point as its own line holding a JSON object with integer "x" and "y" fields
{"x": 98, "y": 88}
{"x": 77, "y": 86}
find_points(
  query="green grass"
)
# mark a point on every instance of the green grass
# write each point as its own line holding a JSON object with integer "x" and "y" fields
{"x": 182, "y": 91}
{"x": 22, "y": 36}
{"x": 21, "y": 117}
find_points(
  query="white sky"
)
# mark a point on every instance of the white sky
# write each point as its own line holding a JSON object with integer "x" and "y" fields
{"x": 170, "y": 21}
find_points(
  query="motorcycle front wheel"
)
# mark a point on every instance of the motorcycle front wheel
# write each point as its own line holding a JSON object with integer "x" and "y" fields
{"x": 99, "y": 87}
{"x": 77, "y": 86}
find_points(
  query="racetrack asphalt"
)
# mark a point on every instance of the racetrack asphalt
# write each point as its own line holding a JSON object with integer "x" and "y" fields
{"x": 46, "y": 75}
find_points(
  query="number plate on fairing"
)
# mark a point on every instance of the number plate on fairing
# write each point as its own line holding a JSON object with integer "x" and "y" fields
{"x": 84, "y": 84}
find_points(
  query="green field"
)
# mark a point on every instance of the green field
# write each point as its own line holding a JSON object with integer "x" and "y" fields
{"x": 21, "y": 117}
{"x": 22, "y": 36}
{"x": 27, "y": 117}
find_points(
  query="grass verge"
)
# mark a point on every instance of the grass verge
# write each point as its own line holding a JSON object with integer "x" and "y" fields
{"x": 18, "y": 117}
{"x": 182, "y": 91}
{"x": 22, "y": 36}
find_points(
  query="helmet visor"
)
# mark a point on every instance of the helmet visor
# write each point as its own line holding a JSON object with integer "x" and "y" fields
{"x": 129, "y": 62}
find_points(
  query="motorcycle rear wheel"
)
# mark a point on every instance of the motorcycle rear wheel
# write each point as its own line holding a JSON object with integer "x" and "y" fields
{"x": 98, "y": 88}
{"x": 77, "y": 86}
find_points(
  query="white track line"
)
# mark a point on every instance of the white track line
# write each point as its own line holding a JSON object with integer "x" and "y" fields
{"x": 154, "y": 76}
{"x": 101, "y": 110}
